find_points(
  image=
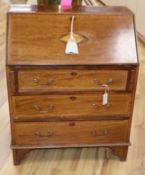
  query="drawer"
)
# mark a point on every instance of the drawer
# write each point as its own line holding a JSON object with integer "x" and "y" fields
{"x": 36, "y": 81}
{"x": 70, "y": 107}
{"x": 86, "y": 132}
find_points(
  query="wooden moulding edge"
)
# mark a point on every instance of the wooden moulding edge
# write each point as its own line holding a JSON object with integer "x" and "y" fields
{"x": 69, "y": 146}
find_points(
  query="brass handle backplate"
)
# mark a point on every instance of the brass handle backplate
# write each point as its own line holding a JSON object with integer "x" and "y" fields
{"x": 98, "y": 82}
{"x": 39, "y": 109}
{"x": 101, "y": 107}
{"x": 48, "y": 134}
{"x": 99, "y": 133}
{"x": 37, "y": 82}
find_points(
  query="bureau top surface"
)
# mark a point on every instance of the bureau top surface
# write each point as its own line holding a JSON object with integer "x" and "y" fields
{"x": 37, "y": 34}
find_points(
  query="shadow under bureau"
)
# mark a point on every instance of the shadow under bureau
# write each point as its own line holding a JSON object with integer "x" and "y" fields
{"x": 71, "y": 100}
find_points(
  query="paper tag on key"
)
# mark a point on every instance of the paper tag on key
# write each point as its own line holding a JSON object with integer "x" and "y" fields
{"x": 105, "y": 95}
{"x": 105, "y": 98}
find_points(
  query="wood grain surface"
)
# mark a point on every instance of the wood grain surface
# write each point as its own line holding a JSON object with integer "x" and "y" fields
{"x": 58, "y": 107}
{"x": 76, "y": 161}
{"x": 66, "y": 107}
{"x": 71, "y": 133}
{"x": 43, "y": 46}
{"x": 53, "y": 80}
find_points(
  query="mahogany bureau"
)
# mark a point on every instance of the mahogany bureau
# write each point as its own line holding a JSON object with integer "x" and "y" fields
{"x": 71, "y": 100}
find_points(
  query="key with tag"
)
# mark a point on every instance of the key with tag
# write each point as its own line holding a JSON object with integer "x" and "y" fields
{"x": 105, "y": 96}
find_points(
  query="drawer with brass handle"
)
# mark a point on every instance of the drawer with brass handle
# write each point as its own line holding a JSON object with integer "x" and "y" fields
{"x": 84, "y": 132}
{"x": 71, "y": 100}
{"x": 39, "y": 109}
{"x": 43, "y": 81}
{"x": 69, "y": 107}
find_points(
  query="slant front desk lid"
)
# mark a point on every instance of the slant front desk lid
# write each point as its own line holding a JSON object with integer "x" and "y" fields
{"x": 36, "y": 36}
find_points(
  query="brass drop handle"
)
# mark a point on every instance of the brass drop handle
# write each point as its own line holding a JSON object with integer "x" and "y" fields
{"x": 38, "y": 108}
{"x": 95, "y": 105}
{"x": 49, "y": 134}
{"x": 36, "y": 81}
{"x": 110, "y": 80}
{"x": 99, "y": 133}
{"x": 101, "y": 107}
{"x": 96, "y": 81}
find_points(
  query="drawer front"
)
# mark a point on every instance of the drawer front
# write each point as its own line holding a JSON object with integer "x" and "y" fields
{"x": 98, "y": 132}
{"x": 37, "y": 81}
{"x": 70, "y": 107}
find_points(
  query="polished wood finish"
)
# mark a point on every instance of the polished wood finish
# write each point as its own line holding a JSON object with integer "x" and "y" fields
{"x": 121, "y": 152}
{"x": 66, "y": 107}
{"x": 104, "y": 45}
{"x": 71, "y": 133}
{"x": 79, "y": 9}
{"x": 70, "y": 80}
{"x": 36, "y": 55}
{"x": 19, "y": 155}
